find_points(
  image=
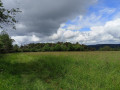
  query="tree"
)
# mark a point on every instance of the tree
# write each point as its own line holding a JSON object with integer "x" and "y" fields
{"x": 1, "y": 44}
{"x": 16, "y": 48}
{"x": 70, "y": 47}
{"x": 46, "y": 47}
{"x": 7, "y": 17}
{"x": 63, "y": 47}
{"x": 77, "y": 47}
{"x": 5, "y": 42}
{"x": 57, "y": 47}
{"x": 106, "y": 48}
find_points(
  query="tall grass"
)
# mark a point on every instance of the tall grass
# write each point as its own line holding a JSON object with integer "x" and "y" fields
{"x": 60, "y": 70}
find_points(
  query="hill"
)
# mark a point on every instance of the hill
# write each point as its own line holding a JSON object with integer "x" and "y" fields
{"x": 98, "y": 46}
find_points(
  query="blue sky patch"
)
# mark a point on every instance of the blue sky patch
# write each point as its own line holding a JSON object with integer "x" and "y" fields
{"x": 97, "y": 15}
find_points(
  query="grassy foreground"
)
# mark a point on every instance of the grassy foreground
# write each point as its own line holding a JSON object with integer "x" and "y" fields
{"x": 60, "y": 71}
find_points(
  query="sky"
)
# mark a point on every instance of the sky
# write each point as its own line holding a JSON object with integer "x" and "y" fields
{"x": 84, "y": 21}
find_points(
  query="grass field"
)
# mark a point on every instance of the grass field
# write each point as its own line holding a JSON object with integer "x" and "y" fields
{"x": 60, "y": 71}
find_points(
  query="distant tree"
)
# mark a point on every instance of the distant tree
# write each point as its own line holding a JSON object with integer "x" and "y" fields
{"x": 70, "y": 47}
{"x": 92, "y": 49}
{"x": 106, "y": 48}
{"x": 77, "y": 47}
{"x": 46, "y": 48}
{"x": 52, "y": 48}
{"x": 25, "y": 49}
{"x": 63, "y": 47}
{"x": 60, "y": 46}
{"x": 16, "y": 48}
{"x": 1, "y": 43}
{"x": 57, "y": 47}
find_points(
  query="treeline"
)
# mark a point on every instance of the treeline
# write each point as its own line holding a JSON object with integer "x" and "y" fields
{"x": 108, "y": 48}
{"x": 60, "y": 46}
{"x": 6, "y": 46}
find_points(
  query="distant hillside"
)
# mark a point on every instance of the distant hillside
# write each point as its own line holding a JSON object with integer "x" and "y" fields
{"x": 102, "y": 45}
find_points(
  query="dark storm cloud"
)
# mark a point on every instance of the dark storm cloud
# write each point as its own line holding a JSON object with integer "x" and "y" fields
{"x": 45, "y": 16}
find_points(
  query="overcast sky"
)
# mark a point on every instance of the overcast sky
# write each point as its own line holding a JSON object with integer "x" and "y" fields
{"x": 83, "y": 21}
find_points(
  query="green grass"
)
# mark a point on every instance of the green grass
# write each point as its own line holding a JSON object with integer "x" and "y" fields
{"x": 60, "y": 71}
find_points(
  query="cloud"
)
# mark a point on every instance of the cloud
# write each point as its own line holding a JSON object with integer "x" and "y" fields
{"x": 25, "y": 39}
{"x": 107, "y": 10}
{"x": 44, "y": 21}
{"x": 107, "y": 33}
{"x": 95, "y": 18}
{"x": 46, "y": 16}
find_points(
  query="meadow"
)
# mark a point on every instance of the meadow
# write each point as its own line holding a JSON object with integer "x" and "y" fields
{"x": 60, "y": 71}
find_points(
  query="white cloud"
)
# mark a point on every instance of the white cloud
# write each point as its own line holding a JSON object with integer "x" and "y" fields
{"x": 107, "y": 10}
{"x": 94, "y": 19}
{"x": 25, "y": 39}
{"x": 35, "y": 38}
{"x": 70, "y": 34}
{"x": 108, "y": 33}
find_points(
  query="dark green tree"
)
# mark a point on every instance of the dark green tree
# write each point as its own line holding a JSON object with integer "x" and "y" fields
{"x": 77, "y": 47}
{"x": 46, "y": 47}
{"x": 16, "y": 48}
{"x": 63, "y": 47}
{"x": 5, "y": 42}
{"x": 57, "y": 47}
{"x": 70, "y": 47}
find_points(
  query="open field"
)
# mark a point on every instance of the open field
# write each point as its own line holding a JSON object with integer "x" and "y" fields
{"x": 60, "y": 71}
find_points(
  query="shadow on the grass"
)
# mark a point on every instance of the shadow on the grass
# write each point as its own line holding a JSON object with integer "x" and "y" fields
{"x": 47, "y": 68}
